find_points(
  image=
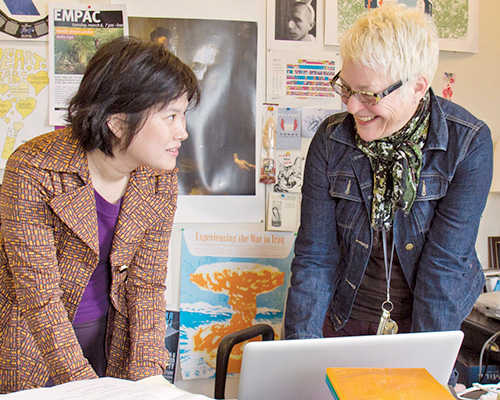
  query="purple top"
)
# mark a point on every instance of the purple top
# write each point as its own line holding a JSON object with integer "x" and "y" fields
{"x": 95, "y": 300}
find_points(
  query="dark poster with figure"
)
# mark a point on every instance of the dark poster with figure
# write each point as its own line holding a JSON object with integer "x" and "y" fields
{"x": 172, "y": 344}
{"x": 219, "y": 156}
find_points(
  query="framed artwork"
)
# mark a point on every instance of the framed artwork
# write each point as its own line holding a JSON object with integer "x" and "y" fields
{"x": 296, "y": 25}
{"x": 494, "y": 252}
{"x": 457, "y": 21}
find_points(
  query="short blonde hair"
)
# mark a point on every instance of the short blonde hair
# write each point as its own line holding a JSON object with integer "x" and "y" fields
{"x": 400, "y": 42}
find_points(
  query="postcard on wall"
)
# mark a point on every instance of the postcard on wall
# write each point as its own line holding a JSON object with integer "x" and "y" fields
{"x": 283, "y": 212}
{"x": 289, "y": 171}
{"x": 288, "y": 131}
{"x": 229, "y": 281}
{"x": 299, "y": 79}
{"x": 312, "y": 118}
{"x": 77, "y": 31}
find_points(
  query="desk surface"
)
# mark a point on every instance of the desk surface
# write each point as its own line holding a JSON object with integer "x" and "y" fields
{"x": 478, "y": 328}
{"x": 479, "y": 321}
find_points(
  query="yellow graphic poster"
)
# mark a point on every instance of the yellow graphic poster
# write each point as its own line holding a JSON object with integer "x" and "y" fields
{"x": 23, "y": 94}
{"x": 229, "y": 281}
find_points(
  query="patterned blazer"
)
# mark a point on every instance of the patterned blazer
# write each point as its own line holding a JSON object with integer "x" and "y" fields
{"x": 49, "y": 247}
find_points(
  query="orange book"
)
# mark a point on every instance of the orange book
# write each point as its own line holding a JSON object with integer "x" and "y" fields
{"x": 385, "y": 384}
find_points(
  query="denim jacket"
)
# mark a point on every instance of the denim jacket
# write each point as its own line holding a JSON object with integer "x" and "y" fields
{"x": 435, "y": 242}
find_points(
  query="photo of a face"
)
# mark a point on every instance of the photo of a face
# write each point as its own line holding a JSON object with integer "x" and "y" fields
{"x": 295, "y": 20}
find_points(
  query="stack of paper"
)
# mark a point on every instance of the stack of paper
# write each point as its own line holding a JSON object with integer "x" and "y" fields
{"x": 155, "y": 388}
{"x": 384, "y": 384}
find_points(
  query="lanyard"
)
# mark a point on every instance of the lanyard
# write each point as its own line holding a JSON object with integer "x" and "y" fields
{"x": 387, "y": 264}
{"x": 387, "y": 325}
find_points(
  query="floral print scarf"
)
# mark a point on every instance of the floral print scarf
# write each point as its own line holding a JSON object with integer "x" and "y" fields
{"x": 396, "y": 162}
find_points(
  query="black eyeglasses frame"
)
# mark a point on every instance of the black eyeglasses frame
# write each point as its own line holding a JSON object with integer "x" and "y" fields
{"x": 377, "y": 96}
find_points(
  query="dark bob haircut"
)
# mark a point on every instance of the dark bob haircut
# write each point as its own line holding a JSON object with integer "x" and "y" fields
{"x": 127, "y": 76}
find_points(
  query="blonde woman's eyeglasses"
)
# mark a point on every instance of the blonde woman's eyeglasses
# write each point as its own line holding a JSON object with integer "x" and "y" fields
{"x": 367, "y": 98}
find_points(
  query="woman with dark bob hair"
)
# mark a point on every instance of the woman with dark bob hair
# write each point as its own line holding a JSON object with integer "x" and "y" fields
{"x": 86, "y": 218}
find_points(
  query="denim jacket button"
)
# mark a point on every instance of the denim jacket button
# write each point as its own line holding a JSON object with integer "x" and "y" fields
{"x": 409, "y": 246}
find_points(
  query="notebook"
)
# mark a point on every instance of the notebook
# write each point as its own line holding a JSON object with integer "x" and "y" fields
{"x": 295, "y": 369}
{"x": 384, "y": 384}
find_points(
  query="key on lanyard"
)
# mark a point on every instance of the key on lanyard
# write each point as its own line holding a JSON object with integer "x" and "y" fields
{"x": 387, "y": 326}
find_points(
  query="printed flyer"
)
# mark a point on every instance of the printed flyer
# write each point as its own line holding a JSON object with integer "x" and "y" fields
{"x": 229, "y": 281}
{"x": 77, "y": 31}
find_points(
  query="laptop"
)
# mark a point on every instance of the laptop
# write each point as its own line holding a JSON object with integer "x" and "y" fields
{"x": 296, "y": 369}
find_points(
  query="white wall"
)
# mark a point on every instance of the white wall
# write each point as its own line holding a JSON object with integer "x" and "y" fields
{"x": 477, "y": 88}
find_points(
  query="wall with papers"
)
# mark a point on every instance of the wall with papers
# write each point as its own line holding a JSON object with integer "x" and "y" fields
{"x": 289, "y": 98}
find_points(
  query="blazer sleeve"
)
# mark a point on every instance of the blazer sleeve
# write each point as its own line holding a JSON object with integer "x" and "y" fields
{"x": 27, "y": 228}
{"x": 146, "y": 295}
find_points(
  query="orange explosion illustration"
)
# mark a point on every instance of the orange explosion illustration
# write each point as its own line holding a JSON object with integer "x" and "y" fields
{"x": 242, "y": 283}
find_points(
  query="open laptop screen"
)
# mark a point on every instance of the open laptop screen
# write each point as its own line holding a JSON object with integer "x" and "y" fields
{"x": 296, "y": 369}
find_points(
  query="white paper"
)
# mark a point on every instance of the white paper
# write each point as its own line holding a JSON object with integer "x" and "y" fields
{"x": 109, "y": 389}
{"x": 297, "y": 79}
{"x": 283, "y": 212}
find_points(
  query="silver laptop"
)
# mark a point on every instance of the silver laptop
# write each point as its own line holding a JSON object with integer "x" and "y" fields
{"x": 296, "y": 369}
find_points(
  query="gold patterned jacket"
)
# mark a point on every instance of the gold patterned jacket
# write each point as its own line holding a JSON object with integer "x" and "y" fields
{"x": 49, "y": 247}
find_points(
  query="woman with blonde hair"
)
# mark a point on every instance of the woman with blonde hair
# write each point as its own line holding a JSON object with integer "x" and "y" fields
{"x": 393, "y": 193}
